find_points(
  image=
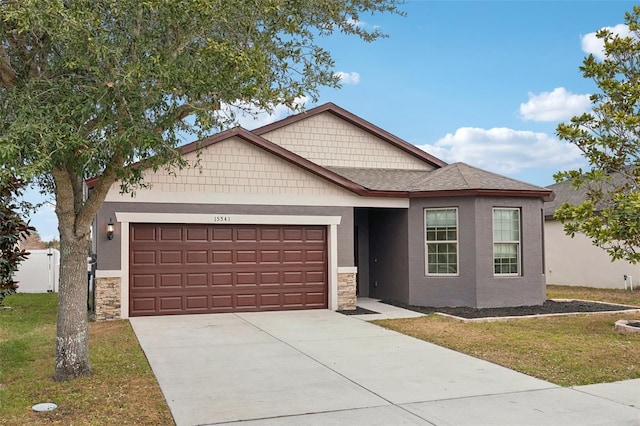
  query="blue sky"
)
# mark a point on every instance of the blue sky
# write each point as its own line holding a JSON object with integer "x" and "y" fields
{"x": 481, "y": 82}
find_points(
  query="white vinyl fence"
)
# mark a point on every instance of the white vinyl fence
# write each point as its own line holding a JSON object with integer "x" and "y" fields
{"x": 40, "y": 272}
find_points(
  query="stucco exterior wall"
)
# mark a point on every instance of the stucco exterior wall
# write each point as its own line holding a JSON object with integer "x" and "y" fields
{"x": 443, "y": 290}
{"x": 388, "y": 254}
{"x": 577, "y": 262}
{"x": 476, "y": 285}
{"x": 529, "y": 287}
{"x": 330, "y": 141}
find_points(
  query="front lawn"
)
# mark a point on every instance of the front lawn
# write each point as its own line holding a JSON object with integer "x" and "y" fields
{"x": 568, "y": 351}
{"x": 122, "y": 390}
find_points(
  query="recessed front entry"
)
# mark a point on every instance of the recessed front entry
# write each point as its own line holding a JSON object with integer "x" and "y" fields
{"x": 206, "y": 268}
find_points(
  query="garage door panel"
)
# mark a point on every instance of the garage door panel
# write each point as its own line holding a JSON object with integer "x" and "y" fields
{"x": 247, "y": 234}
{"x": 246, "y": 301}
{"x": 292, "y": 299}
{"x": 270, "y": 234}
{"x": 196, "y": 280}
{"x": 292, "y": 277}
{"x": 142, "y": 281}
{"x": 197, "y": 257}
{"x": 197, "y": 234}
{"x": 144, "y": 233}
{"x": 314, "y": 235}
{"x": 314, "y": 256}
{"x": 246, "y": 278}
{"x": 270, "y": 256}
{"x": 144, "y": 305}
{"x": 170, "y": 280}
{"x": 315, "y": 299}
{"x": 222, "y": 301}
{"x": 171, "y": 233}
{"x": 170, "y": 258}
{"x": 222, "y": 279}
{"x": 196, "y": 303}
{"x": 246, "y": 256}
{"x": 177, "y": 269}
{"x": 140, "y": 257}
{"x": 170, "y": 304}
{"x": 292, "y": 234}
{"x": 270, "y": 300}
{"x": 222, "y": 257}
{"x": 270, "y": 278}
{"x": 292, "y": 256}
{"x": 222, "y": 234}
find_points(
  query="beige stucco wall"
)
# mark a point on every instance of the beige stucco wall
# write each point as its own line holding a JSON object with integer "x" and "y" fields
{"x": 330, "y": 141}
{"x": 575, "y": 261}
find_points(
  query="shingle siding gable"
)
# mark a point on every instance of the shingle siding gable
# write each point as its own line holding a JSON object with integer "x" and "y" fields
{"x": 330, "y": 141}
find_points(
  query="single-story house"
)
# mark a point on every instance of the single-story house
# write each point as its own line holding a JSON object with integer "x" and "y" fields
{"x": 576, "y": 261}
{"x": 309, "y": 212}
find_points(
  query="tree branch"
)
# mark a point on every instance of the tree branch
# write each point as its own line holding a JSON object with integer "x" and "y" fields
{"x": 8, "y": 76}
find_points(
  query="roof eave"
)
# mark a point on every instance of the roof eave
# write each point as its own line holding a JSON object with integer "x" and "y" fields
{"x": 543, "y": 194}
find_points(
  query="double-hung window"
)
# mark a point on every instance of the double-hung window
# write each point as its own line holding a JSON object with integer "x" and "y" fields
{"x": 506, "y": 241}
{"x": 442, "y": 241}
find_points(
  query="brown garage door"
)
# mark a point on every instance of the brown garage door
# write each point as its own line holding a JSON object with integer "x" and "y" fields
{"x": 186, "y": 269}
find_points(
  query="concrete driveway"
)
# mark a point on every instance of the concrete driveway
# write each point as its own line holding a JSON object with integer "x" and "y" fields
{"x": 322, "y": 368}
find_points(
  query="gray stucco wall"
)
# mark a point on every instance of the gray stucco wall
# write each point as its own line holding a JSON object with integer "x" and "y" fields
{"x": 529, "y": 287}
{"x": 388, "y": 254}
{"x": 443, "y": 290}
{"x": 476, "y": 285}
{"x": 361, "y": 218}
{"x": 109, "y": 251}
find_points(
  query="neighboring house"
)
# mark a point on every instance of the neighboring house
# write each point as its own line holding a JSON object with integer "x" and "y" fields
{"x": 576, "y": 261}
{"x": 309, "y": 211}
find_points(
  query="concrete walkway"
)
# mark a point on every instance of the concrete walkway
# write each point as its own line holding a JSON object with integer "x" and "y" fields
{"x": 322, "y": 368}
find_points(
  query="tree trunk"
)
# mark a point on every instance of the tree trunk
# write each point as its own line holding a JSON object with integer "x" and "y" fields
{"x": 72, "y": 341}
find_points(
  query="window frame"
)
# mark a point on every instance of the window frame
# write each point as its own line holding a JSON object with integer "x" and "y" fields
{"x": 427, "y": 242}
{"x": 518, "y": 243}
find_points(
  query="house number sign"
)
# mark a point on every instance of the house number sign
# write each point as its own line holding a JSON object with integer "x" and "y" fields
{"x": 221, "y": 219}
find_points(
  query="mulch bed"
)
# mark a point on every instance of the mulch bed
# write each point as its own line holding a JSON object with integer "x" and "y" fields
{"x": 358, "y": 311}
{"x": 549, "y": 307}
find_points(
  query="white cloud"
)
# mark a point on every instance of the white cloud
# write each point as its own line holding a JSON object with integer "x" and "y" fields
{"x": 348, "y": 77}
{"x": 355, "y": 22}
{"x": 554, "y": 106}
{"x": 504, "y": 151}
{"x": 250, "y": 117}
{"x": 594, "y": 45}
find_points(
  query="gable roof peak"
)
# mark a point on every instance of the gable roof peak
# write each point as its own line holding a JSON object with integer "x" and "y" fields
{"x": 353, "y": 119}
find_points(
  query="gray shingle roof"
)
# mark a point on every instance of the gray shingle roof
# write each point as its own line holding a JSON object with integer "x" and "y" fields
{"x": 565, "y": 193}
{"x": 382, "y": 179}
{"x": 460, "y": 176}
{"x": 457, "y": 176}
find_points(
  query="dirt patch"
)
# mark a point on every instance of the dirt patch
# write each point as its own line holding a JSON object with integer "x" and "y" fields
{"x": 549, "y": 307}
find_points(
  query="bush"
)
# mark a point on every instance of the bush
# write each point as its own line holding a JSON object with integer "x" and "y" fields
{"x": 12, "y": 230}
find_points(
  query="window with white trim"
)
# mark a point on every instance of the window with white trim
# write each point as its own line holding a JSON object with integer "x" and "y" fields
{"x": 441, "y": 238}
{"x": 506, "y": 241}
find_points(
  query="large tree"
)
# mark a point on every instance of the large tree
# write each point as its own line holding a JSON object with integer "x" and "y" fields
{"x": 89, "y": 87}
{"x": 609, "y": 137}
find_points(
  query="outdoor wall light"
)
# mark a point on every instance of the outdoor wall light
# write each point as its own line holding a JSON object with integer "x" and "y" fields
{"x": 110, "y": 229}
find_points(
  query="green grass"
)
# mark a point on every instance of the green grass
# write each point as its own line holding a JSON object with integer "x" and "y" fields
{"x": 568, "y": 351}
{"x": 121, "y": 391}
